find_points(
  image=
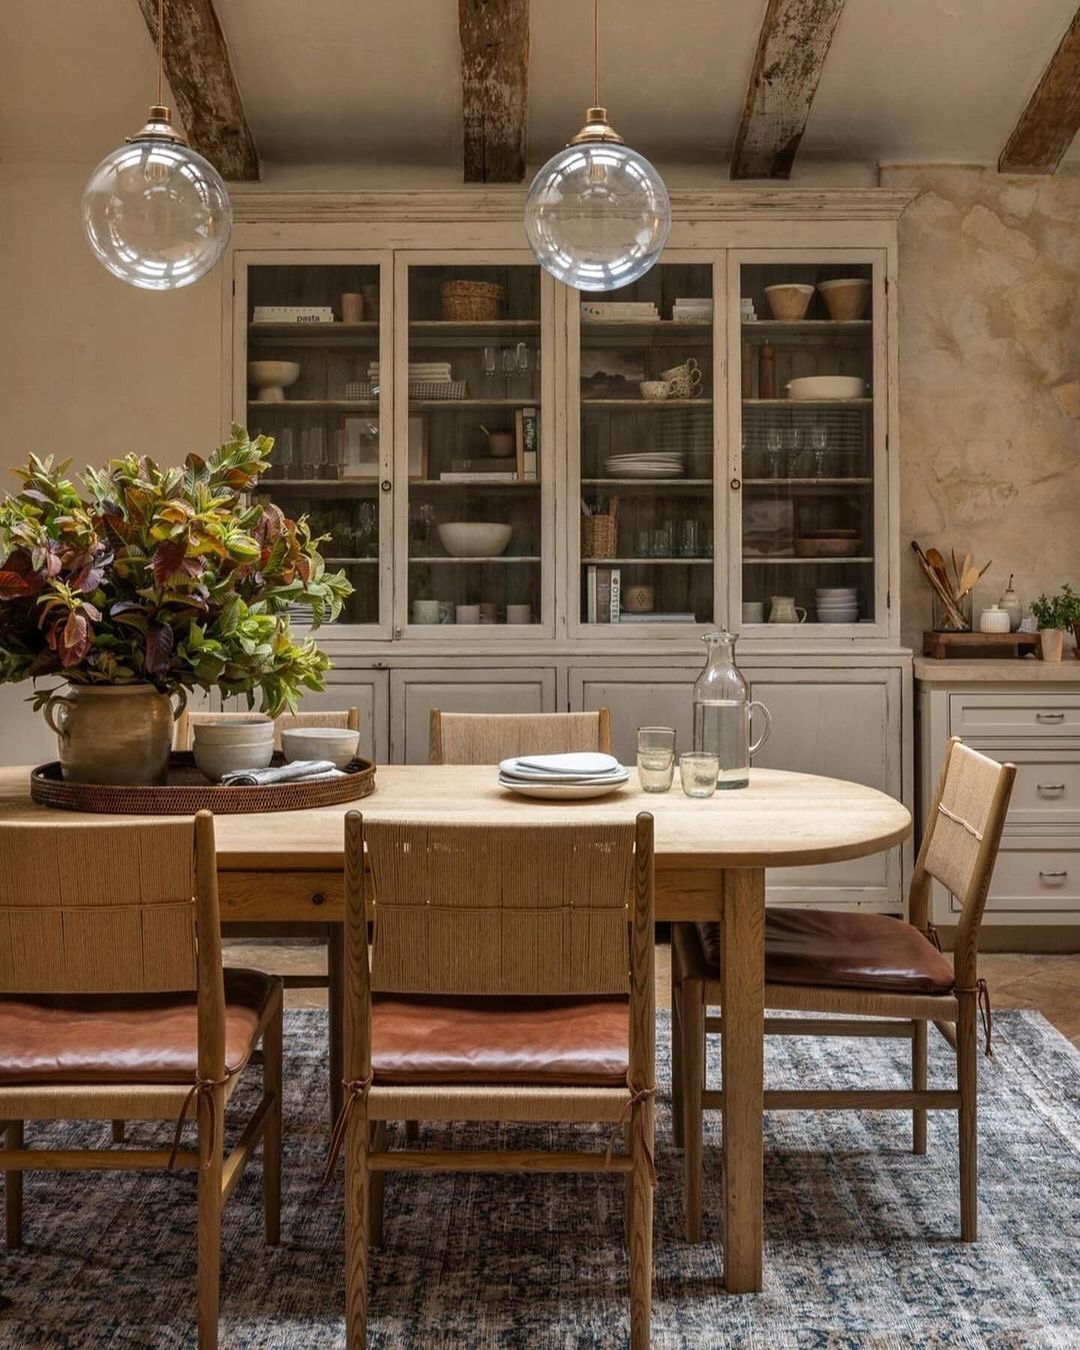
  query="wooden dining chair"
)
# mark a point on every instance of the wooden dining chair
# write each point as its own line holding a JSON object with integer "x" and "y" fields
{"x": 487, "y": 738}
{"x": 113, "y": 1003}
{"x": 871, "y": 976}
{"x": 511, "y": 979}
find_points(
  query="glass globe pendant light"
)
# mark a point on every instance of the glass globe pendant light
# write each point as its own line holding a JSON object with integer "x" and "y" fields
{"x": 157, "y": 214}
{"x": 597, "y": 215}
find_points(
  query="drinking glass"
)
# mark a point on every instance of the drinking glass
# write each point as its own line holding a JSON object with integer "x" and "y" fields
{"x": 661, "y": 546}
{"x": 521, "y": 363}
{"x": 490, "y": 358}
{"x": 688, "y": 545}
{"x": 643, "y": 543}
{"x": 509, "y": 368}
{"x": 699, "y": 772}
{"x": 656, "y": 758}
{"x": 284, "y": 456}
{"x": 774, "y": 453}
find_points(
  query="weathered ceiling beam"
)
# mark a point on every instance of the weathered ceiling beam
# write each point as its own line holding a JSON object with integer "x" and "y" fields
{"x": 1052, "y": 116}
{"x": 792, "y": 46}
{"x": 200, "y": 76}
{"x": 494, "y": 88}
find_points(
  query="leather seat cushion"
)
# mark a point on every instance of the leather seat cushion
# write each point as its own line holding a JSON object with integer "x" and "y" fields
{"x": 841, "y": 949}
{"x": 128, "y": 1038}
{"x": 566, "y": 1042}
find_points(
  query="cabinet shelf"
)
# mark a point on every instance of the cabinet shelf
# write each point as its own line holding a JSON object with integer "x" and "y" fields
{"x": 802, "y": 562}
{"x": 657, "y": 332}
{"x": 499, "y": 561}
{"x": 645, "y": 404}
{"x": 349, "y": 562}
{"x": 516, "y": 485}
{"x": 807, "y": 402}
{"x": 646, "y": 562}
{"x": 454, "y": 328}
{"x": 314, "y": 334}
{"x": 315, "y": 405}
{"x": 316, "y": 487}
{"x": 648, "y": 484}
{"x": 808, "y": 327}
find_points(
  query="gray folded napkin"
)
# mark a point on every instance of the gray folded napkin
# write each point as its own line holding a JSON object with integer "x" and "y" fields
{"x": 299, "y": 771}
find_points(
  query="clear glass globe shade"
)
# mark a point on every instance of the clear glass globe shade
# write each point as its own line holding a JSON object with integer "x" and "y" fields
{"x": 157, "y": 214}
{"x": 597, "y": 215}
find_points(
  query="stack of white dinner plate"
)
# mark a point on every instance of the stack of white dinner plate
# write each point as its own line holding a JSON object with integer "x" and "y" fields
{"x": 648, "y": 464}
{"x": 836, "y": 604}
{"x": 562, "y": 777}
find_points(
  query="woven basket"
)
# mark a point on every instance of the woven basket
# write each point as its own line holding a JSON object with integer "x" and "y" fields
{"x": 600, "y": 533}
{"x": 468, "y": 301}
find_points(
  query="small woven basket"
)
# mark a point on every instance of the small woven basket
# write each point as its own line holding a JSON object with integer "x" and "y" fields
{"x": 600, "y": 533}
{"x": 468, "y": 301}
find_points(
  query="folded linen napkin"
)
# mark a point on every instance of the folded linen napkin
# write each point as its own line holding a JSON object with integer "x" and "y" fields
{"x": 299, "y": 771}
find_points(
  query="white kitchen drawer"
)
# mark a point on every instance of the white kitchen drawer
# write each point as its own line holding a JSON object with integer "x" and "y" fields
{"x": 1003, "y": 714}
{"x": 1033, "y": 874}
{"x": 1047, "y": 787}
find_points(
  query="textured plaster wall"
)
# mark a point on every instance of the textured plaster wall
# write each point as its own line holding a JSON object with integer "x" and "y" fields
{"x": 989, "y": 303}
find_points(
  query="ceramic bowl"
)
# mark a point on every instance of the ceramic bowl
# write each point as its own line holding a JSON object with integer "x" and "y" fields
{"x": 826, "y": 386}
{"x": 475, "y": 539}
{"x": 654, "y": 390}
{"x": 241, "y": 744}
{"x": 337, "y": 744}
{"x": 272, "y": 378}
{"x": 500, "y": 444}
{"x": 845, "y": 298}
{"x": 790, "y": 300}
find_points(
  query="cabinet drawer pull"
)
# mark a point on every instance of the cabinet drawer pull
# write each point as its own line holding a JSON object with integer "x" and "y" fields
{"x": 1053, "y": 876}
{"x": 1051, "y": 789}
{"x": 1050, "y": 717}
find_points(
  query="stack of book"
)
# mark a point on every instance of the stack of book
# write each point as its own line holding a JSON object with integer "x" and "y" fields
{"x": 691, "y": 309}
{"x": 603, "y": 590}
{"x": 292, "y": 314}
{"x": 619, "y": 311}
{"x": 420, "y": 372}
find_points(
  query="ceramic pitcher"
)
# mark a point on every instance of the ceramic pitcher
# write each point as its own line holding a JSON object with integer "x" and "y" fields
{"x": 785, "y": 610}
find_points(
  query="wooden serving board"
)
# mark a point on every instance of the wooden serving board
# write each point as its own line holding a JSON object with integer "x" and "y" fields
{"x": 965, "y": 646}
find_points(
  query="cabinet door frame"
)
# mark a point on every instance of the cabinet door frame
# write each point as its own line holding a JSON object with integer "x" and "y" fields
{"x": 548, "y": 464}
{"x": 576, "y": 626}
{"x": 885, "y": 488}
{"x": 241, "y": 261}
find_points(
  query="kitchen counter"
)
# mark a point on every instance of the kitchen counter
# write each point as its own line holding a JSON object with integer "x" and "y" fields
{"x": 1022, "y": 670}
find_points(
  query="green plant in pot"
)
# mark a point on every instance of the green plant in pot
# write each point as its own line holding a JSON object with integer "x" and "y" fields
{"x": 145, "y": 583}
{"x": 1055, "y": 615}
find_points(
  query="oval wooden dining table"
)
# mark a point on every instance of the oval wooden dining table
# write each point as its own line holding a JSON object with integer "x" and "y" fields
{"x": 286, "y": 868}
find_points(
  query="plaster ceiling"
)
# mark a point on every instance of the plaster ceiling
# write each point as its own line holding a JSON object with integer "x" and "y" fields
{"x": 370, "y": 82}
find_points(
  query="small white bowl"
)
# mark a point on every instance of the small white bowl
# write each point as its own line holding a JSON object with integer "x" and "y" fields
{"x": 337, "y": 744}
{"x": 474, "y": 539}
{"x": 221, "y": 747}
{"x": 826, "y": 386}
{"x": 234, "y": 731}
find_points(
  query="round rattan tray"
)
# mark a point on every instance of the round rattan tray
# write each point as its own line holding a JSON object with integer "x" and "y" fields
{"x": 187, "y": 791}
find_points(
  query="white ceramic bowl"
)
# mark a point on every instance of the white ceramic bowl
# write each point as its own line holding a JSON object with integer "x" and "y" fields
{"x": 223, "y": 746}
{"x": 474, "y": 539}
{"x": 845, "y": 298}
{"x": 826, "y": 386}
{"x": 337, "y": 744}
{"x": 789, "y": 300}
{"x": 272, "y": 378}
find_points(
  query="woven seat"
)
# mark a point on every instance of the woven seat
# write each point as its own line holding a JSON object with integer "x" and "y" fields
{"x": 565, "y": 1042}
{"x": 842, "y": 950}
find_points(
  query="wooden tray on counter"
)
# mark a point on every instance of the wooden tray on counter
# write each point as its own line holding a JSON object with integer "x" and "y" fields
{"x": 188, "y": 791}
{"x": 965, "y": 646}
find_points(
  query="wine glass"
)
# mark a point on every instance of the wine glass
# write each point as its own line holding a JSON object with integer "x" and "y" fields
{"x": 521, "y": 361}
{"x": 490, "y": 360}
{"x": 509, "y": 368}
{"x": 774, "y": 447}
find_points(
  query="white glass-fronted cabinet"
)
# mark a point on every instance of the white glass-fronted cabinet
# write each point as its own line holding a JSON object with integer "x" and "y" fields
{"x": 306, "y": 335}
{"x": 807, "y": 443}
{"x": 475, "y": 500}
{"x": 644, "y": 385}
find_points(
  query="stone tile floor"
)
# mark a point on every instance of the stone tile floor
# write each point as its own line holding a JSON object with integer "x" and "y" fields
{"x": 1048, "y": 984}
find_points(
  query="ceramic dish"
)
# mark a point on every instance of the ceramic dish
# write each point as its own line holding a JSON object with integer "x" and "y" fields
{"x": 473, "y": 539}
{"x": 233, "y": 744}
{"x": 337, "y": 744}
{"x": 563, "y": 792}
{"x": 826, "y": 386}
{"x": 790, "y": 300}
{"x": 845, "y": 298}
{"x": 272, "y": 378}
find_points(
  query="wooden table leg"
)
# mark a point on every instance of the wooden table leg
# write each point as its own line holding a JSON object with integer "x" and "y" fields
{"x": 335, "y": 971}
{"x": 743, "y": 1070}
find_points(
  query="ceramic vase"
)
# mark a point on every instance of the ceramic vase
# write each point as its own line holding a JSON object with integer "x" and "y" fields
{"x": 116, "y": 734}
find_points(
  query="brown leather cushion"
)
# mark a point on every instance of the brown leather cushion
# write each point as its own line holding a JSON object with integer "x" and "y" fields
{"x": 130, "y": 1038}
{"x": 551, "y": 1041}
{"x": 841, "y": 949}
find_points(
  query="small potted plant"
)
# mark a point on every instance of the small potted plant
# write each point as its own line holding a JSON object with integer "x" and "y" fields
{"x": 1055, "y": 615}
{"x": 150, "y": 582}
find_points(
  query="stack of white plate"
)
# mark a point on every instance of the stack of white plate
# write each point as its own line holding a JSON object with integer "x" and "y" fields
{"x": 648, "y": 464}
{"x": 836, "y": 604}
{"x": 562, "y": 777}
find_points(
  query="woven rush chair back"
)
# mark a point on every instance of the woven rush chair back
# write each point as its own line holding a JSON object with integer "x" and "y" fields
{"x": 961, "y": 839}
{"x": 345, "y": 718}
{"x": 482, "y": 738}
{"x": 530, "y": 909}
{"x": 98, "y": 908}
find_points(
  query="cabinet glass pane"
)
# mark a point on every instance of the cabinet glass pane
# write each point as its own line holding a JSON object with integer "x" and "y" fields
{"x": 647, "y": 450}
{"x": 474, "y": 445}
{"x": 808, "y": 547}
{"x": 312, "y": 332}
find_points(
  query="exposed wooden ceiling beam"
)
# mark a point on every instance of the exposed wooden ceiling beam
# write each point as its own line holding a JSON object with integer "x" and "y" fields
{"x": 494, "y": 88}
{"x": 1052, "y": 116}
{"x": 792, "y": 46}
{"x": 200, "y": 76}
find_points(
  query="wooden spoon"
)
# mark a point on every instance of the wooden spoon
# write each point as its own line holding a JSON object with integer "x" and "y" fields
{"x": 937, "y": 562}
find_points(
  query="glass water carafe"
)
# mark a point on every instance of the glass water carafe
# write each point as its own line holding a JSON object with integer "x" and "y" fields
{"x": 723, "y": 710}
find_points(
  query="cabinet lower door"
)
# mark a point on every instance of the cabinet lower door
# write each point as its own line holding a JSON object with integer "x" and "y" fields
{"x": 415, "y": 692}
{"x": 843, "y": 724}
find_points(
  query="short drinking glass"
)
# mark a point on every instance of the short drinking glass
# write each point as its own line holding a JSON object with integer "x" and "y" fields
{"x": 699, "y": 772}
{"x": 656, "y": 758}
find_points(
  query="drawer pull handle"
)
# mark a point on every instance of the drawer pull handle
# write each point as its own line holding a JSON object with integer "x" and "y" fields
{"x": 318, "y": 898}
{"x": 1050, "y": 717}
{"x": 1052, "y": 789}
{"x": 1053, "y": 876}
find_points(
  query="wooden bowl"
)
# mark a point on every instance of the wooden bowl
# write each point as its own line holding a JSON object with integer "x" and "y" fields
{"x": 845, "y": 298}
{"x": 790, "y": 300}
{"x": 827, "y": 548}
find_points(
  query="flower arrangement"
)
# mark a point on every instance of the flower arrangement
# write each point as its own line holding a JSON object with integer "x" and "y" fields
{"x": 162, "y": 576}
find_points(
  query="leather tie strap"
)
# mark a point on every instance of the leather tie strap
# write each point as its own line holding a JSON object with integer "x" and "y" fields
{"x": 201, "y": 1090}
{"x": 933, "y": 935}
{"x": 355, "y": 1090}
{"x": 637, "y": 1096}
{"x": 982, "y": 992}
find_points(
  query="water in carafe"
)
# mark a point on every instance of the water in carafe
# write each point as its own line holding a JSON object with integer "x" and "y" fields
{"x": 722, "y": 711}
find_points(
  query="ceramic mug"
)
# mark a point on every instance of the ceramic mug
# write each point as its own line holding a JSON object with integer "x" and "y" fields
{"x": 753, "y": 611}
{"x": 426, "y": 611}
{"x": 468, "y": 613}
{"x": 683, "y": 381}
{"x": 785, "y": 610}
{"x": 654, "y": 390}
{"x": 519, "y": 613}
{"x": 446, "y": 611}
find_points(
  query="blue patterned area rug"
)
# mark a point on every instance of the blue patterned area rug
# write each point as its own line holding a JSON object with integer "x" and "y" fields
{"x": 861, "y": 1248}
